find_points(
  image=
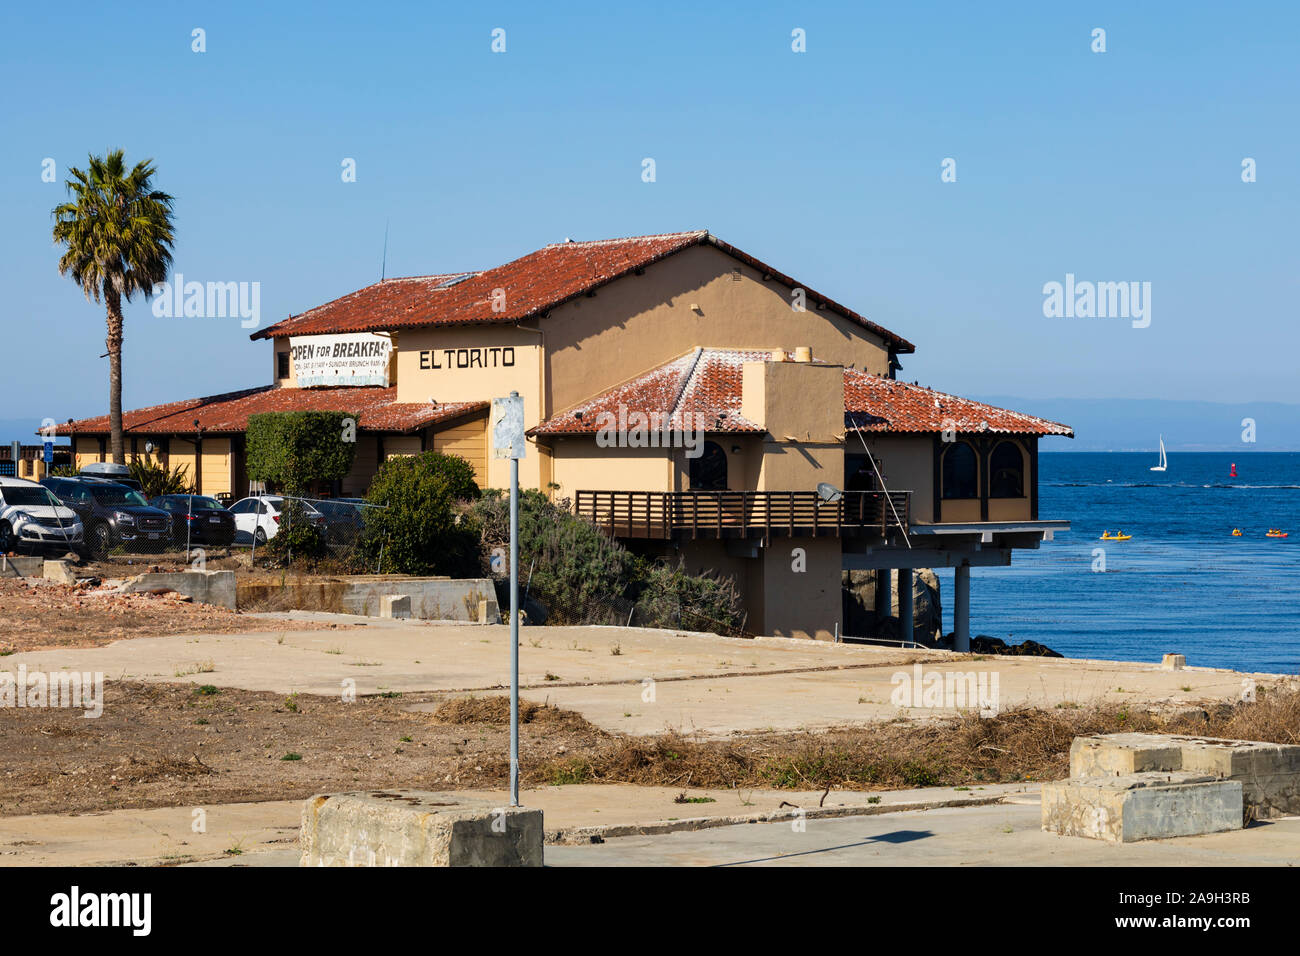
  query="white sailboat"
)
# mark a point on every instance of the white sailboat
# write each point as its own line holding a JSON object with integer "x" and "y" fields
{"x": 1164, "y": 461}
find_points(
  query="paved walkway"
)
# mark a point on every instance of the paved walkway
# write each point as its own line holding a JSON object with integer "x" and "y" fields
{"x": 166, "y": 836}
{"x": 1004, "y": 835}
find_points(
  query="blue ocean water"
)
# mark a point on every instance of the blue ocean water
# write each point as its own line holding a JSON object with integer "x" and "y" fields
{"x": 1183, "y": 584}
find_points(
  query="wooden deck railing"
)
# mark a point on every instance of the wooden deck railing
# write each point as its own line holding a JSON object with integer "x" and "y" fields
{"x": 743, "y": 514}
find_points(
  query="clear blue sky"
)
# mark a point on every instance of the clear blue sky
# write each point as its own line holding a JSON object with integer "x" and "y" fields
{"x": 1117, "y": 166}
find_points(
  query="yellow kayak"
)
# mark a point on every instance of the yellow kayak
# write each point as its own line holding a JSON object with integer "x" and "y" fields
{"x": 1115, "y": 537}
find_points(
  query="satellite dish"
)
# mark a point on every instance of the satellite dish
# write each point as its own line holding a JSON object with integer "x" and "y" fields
{"x": 828, "y": 492}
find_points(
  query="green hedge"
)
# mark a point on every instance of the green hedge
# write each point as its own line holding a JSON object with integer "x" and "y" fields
{"x": 293, "y": 449}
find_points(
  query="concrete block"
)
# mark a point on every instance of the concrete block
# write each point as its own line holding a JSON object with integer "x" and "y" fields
{"x": 1268, "y": 773}
{"x": 1108, "y": 755}
{"x": 1173, "y": 662}
{"x": 59, "y": 571}
{"x": 417, "y": 828}
{"x": 395, "y": 605}
{"x": 207, "y": 587}
{"x": 1142, "y": 806}
{"x": 22, "y": 566}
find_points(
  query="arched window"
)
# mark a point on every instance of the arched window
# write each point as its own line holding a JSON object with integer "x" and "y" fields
{"x": 960, "y": 471}
{"x": 1007, "y": 471}
{"x": 709, "y": 470}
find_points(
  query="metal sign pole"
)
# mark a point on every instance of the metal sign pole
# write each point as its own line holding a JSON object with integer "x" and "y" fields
{"x": 514, "y": 632}
{"x": 509, "y": 441}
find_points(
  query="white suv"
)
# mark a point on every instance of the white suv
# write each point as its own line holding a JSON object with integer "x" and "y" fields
{"x": 258, "y": 518}
{"x": 31, "y": 516}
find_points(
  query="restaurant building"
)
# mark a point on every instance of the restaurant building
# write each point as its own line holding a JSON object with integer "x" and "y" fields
{"x": 683, "y": 394}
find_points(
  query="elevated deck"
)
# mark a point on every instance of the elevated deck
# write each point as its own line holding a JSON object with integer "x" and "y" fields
{"x": 763, "y": 515}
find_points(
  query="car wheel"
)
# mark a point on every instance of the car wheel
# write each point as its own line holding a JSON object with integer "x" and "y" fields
{"x": 7, "y": 539}
{"x": 100, "y": 540}
{"x": 259, "y": 538}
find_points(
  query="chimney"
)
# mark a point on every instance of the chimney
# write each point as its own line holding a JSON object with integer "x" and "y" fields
{"x": 803, "y": 354}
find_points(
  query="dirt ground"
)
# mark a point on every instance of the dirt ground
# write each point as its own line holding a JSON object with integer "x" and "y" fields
{"x": 34, "y": 617}
{"x": 160, "y": 745}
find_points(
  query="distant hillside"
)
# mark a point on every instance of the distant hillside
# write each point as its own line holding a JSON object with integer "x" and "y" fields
{"x": 1116, "y": 424}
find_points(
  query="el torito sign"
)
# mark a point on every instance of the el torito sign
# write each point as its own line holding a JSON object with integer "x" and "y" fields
{"x": 489, "y": 357}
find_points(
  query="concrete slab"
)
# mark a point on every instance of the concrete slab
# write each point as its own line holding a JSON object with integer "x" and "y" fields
{"x": 1004, "y": 835}
{"x": 207, "y": 587}
{"x": 1142, "y": 806}
{"x": 417, "y": 828}
{"x": 572, "y": 814}
{"x": 1268, "y": 773}
{"x": 624, "y": 679}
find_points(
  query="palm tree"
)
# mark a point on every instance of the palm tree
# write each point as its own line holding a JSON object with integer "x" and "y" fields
{"x": 117, "y": 230}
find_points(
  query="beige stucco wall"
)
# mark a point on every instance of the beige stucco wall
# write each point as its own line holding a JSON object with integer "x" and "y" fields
{"x": 801, "y": 406}
{"x": 639, "y": 322}
{"x": 579, "y": 464}
{"x": 419, "y": 381}
{"x": 803, "y": 603}
{"x": 86, "y": 450}
{"x": 907, "y": 464}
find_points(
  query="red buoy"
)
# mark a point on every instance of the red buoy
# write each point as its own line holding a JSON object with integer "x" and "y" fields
{"x": 1233, "y": 473}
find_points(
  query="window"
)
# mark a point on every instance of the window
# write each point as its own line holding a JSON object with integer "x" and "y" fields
{"x": 1007, "y": 471}
{"x": 240, "y": 507}
{"x": 709, "y": 471}
{"x": 281, "y": 364}
{"x": 960, "y": 472}
{"x": 859, "y": 475}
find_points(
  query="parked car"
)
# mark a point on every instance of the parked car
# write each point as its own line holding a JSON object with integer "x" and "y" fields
{"x": 197, "y": 520}
{"x": 113, "y": 514}
{"x": 109, "y": 471}
{"x": 257, "y": 519}
{"x": 343, "y": 520}
{"x": 31, "y": 517}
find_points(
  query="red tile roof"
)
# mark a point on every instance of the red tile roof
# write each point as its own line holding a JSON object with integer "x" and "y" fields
{"x": 707, "y": 383}
{"x": 876, "y": 404}
{"x": 376, "y": 409}
{"x": 532, "y": 285}
{"x": 701, "y": 387}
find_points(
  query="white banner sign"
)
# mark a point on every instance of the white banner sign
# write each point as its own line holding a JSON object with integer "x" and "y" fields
{"x": 359, "y": 358}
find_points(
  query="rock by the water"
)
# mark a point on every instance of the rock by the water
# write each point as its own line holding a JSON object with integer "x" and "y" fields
{"x": 983, "y": 644}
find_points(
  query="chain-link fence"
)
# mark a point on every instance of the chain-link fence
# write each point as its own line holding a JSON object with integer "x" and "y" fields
{"x": 288, "y": 528}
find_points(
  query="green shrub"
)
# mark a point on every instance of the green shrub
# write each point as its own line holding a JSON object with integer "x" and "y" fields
{"x": 669, "y": 597}
{"x": 156, "y": 480}
{"x": 580, "y": 573}
{"x": 297, "y": 538}
{"x": 421, "y": 528}
{"x": 573, "y": 564}
{"x": 291, "y": 450}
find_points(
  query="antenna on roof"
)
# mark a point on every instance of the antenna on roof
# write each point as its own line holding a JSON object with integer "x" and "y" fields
{"x": 383, "y": 267}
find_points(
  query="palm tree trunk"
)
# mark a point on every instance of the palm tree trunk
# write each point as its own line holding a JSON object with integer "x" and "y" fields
{"x": 114, "y": 343}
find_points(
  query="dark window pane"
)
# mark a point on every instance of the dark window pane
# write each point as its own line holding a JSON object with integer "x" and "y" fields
{"x": 960, "y": 472}
{"x": 1007, "y": 471}
{"x": 709, "y": 471}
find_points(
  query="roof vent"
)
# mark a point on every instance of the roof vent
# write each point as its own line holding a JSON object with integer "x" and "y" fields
{"x": 803, "y": 354}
